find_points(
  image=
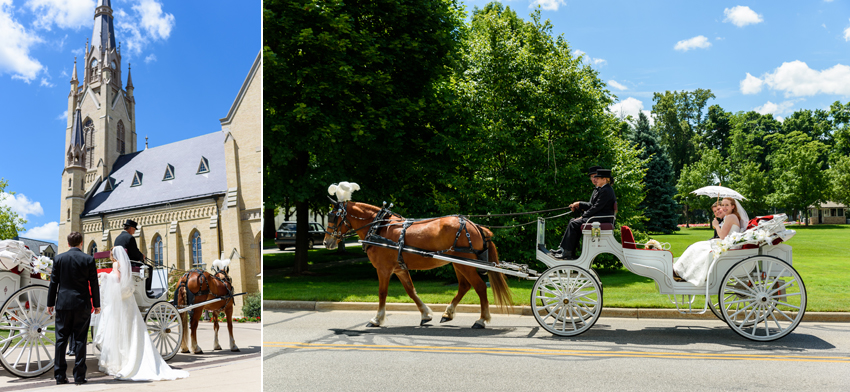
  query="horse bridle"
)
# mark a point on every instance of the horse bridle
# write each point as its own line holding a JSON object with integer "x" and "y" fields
{"x": 339, "y": 212}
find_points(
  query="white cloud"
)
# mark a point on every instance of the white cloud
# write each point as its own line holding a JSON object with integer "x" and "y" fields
{"x": 45, "y": 83}
{"x": 629, "y": 107}
{"x": 78, "y": 52}
{"x": 774, "y": 108}
{"x": 63, "y": 116}
{"x": 846, "y": 34}
{"x": 696, "y": 42}
{"x": 66, "y": 14}
{"x": 150, "y": 58}
{"x": 548, "y": 5}
{"x": 618, "y": 86}
{"x": 796, "y": 79}
{"x": 751, "y": 84}
{"x": 20, "y": 204}
{"x": 15, "y": 46}
{"x": 600, "y": 62}
{"x": 578, "y": 53}
{"x": 147, "y": 24}
{"x": 741, "y": 16}
{"x": 47, "y": 232}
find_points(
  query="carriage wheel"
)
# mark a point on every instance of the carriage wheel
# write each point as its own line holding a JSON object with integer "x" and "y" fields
{"x": 27, "y": 333}
{"x": 714, "y": 306}
{"x": 566, "y": 300}
{"x": 763, "y": 298}
{"x": 165, "y": 328}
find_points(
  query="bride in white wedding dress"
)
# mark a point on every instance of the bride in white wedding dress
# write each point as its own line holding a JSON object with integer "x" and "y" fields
{"x": 694, "y": 263}
{"x": 127, "y": 352}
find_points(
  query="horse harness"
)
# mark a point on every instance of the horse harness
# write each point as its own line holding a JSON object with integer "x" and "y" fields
{"x": 384, "y": 219}
{"x": 202, "y": 280}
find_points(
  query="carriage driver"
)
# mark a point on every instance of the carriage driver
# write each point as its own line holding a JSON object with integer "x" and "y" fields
{"x": 127, "y": 240}
{"x": 602, "y": 203}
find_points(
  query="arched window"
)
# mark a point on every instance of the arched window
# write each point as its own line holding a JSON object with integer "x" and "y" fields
{"x": 94, "y": 75}
{"x": 88, "y": 133}
{"x": 120, "y": 137}
{"x": 197, "y": 261}
{"x": 69, "y": 183}
{"x": 93, "y": 249}
{"x": 157, "y": 250}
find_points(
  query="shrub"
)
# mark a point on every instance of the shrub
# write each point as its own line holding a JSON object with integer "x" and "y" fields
{"x": 253, "y": 305}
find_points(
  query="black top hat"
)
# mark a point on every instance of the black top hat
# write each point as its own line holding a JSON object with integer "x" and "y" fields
{"x": 593, "y": 169}
{"x": 603, "y": 173}
{"x": 131, "y": 223}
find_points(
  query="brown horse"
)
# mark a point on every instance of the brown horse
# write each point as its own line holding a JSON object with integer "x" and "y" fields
{"x": 197, "y": 286}
{"x": 432, "y": 235}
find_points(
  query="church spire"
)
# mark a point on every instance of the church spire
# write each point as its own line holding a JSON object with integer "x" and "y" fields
{"x": 74, "y": 74}
{"x": 130, "y": 77}
{"x": 103, "y": 37}
{"x": 77, "y": 149}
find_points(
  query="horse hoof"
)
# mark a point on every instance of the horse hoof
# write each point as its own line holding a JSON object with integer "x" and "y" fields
{"x": 444, "y": 319}
{"x": 199, "y": 351}
{"x": 235, "y": 349}
{"x": 185, "y": 351}
{"x": 424, "y": 321}
{"x": 372, "y": 325}
{"x": 477, "y": 326}
{"x": 217, "y": 348}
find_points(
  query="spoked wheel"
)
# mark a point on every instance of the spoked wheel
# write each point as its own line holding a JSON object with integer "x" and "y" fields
{"x": 714, "y": 306}
{"x": 566, "y": 300}
{"x": 165, "y": 328}
{"x": 763, "y": 298}
{"x": 27, "y": 333}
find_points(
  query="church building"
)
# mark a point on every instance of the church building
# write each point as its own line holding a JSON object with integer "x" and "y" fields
{"x": 195, "y": 200}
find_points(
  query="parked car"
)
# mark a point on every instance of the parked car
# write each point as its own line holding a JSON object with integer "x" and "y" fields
{"x": 284, "y": 237}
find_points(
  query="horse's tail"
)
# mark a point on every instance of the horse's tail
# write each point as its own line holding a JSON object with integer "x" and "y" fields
{"x": 501, "y": 292}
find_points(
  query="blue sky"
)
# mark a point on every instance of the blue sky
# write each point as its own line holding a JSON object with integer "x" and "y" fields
{"x": 796, "y": 53}
{"x": 189, "y": 59}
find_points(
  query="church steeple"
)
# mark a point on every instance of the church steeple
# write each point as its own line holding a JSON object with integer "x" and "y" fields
{"x": 77, "y": 148}
{"x": 103, "y": 37}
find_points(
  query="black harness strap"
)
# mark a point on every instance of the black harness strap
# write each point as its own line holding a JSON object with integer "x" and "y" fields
{"x": 401, "y": 244}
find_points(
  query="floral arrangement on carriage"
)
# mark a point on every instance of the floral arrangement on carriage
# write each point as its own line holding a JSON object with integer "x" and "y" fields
{"x": 16, "y": 257}
{"x": 760, "y": 231}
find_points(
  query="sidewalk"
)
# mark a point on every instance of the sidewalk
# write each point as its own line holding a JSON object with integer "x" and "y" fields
{"x": 212, "y": 370}
{"x": 639, "y": 313}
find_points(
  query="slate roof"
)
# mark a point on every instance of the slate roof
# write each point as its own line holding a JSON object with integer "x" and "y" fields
{"x": 37, "y": 246}
{"x": 184, "y": 156}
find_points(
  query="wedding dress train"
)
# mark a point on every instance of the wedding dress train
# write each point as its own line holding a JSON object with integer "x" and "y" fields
{"x": 127, "y": 352}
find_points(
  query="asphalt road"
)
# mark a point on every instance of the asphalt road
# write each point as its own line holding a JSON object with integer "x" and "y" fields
{"x": 334, "y": 351}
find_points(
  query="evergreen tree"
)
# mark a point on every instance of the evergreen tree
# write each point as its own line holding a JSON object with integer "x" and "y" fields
{"x": 659, "y": 207}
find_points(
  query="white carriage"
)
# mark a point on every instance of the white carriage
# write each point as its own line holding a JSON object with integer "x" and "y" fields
{"x": 27, "y": 329}
{"x": 755, "y": 290}
{"x": 27, "y": 335}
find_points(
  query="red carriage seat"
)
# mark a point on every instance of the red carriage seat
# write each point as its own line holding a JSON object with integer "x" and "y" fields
{"x": 627, "y": 237}
{"x": 105, "y": 255}
{"x": 755, "y": 222}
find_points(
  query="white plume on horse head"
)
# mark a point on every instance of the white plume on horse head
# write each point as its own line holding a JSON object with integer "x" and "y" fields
{"x": 343, "y": 190}
{"x": 221, "y": 264}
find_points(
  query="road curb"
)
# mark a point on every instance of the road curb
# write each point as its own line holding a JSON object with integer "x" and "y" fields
{"x": 639, "y": 313}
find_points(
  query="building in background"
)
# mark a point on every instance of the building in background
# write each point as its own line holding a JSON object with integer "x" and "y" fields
{"x": 195, "y": 200}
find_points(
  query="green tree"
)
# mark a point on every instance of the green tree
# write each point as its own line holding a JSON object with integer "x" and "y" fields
{"x": 10, "y": 223}
{"x": 797, "y": 174}
{"x": 839, "y": 179}
{"x": 660, "y": 209}
{"x": 711, "y": 169}
{"x": 718, "y": 129}
{"x": 353, "y": 92}
{"x": 754, "y": 184}
{"x": 840, "y": 124}
{"x": 749, "y": 138}
{"x": 535, "y": 118}
{"x": 680, "y": 119}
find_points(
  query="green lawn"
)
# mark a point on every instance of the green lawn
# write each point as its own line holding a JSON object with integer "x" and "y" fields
{"x": 820, "y": 256}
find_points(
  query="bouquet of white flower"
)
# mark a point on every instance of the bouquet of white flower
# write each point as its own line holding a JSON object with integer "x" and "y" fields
{"x": 766, "y": 232}
{"x": 42, "y": 265}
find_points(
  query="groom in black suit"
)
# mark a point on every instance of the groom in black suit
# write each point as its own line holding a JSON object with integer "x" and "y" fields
{"x": 74, "y": 274}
